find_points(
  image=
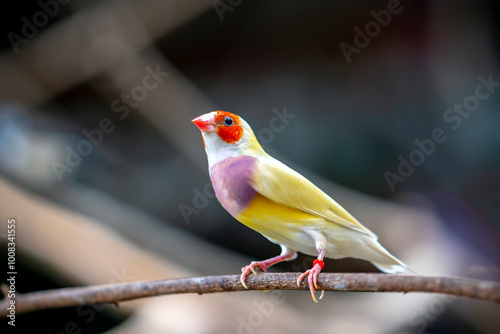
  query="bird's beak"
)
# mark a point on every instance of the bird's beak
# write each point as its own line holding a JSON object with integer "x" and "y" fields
{"x": 206, "y": 123}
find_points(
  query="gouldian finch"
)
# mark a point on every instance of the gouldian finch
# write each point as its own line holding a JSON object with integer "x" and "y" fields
{"x": 282, "y": 205}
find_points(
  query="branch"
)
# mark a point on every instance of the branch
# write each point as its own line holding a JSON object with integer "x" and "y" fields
{"x": 114, "y": 293}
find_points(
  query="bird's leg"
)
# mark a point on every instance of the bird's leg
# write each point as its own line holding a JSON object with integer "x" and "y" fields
{"x": 318, "y": 264}
{"x": 286, "y": 254}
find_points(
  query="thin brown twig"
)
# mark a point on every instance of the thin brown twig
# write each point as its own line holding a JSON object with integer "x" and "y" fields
{"x": 114, "y": 293}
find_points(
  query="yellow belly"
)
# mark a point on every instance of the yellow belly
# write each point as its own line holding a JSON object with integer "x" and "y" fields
{"x": 280, "y": 224}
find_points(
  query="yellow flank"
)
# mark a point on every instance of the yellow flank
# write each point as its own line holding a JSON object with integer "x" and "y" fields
{"x": 278, "y": 222}
{"x": 289, "y": 226}
{"x": 261, "y": 210}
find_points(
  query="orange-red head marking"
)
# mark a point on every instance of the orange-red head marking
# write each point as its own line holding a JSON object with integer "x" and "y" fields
{"x": 228, "y": 126}
{"x": 225, "y": 124}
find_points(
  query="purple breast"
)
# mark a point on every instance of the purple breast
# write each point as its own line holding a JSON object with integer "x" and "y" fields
{"x": 232, "y": 179}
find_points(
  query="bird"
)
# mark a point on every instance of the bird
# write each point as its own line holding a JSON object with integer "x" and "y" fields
{"x": 289, "y": 210}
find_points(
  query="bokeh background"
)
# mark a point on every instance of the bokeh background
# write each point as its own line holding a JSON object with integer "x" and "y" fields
{"x": 137, "y": 204}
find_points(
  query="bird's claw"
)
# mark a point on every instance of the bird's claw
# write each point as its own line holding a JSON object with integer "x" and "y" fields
{"x": 245, "y": 271}
{"x": 242, "y": 280}
{"x": 312, "y": 280}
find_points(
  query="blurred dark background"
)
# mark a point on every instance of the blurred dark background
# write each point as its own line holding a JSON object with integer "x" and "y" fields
{"x": 351, "y": 117}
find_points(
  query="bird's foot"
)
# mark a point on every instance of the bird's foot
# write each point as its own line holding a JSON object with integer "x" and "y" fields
{"x": 312, "y": 280}
{"x": 246, "y": 270}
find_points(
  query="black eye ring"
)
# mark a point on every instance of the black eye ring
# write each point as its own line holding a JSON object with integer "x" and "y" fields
{"x": 228, "y": 121}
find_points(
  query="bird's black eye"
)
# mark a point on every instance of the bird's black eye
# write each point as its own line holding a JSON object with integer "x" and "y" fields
{"x": 228, "y": 121}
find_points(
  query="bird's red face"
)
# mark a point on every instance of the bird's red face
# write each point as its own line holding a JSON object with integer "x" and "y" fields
{"x": 225, "y": 124}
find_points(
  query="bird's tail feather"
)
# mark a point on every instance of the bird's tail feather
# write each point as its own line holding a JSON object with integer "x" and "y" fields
{"x": 390, "y": 264}
{"x": 393, "y": 268}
